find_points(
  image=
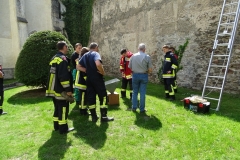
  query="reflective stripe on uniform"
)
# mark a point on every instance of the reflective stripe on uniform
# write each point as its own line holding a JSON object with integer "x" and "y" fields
{"x": 123, "y": 90}
{"x": 92, "y": 106}
{"x": 82, "y": 102}
{"x": 56, "y": 60}
{"x": 168, "y": 59}
{"x": 121, "y": 67}
{"x": 174, "y": 66}
{"x": 59, "y": 96}
{"x": 168, "y": 76}
{"x": 80, "y": 86}
{"x": 64, "y": 120}
{"x": 172, "y": 93}
{"x": 55, "y": 119}
{"x": 65, "y": 84}
{"x": 129, "y": 77}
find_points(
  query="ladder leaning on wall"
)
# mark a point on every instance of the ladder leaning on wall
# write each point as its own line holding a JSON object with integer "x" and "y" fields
{"x": 224, "y": 40}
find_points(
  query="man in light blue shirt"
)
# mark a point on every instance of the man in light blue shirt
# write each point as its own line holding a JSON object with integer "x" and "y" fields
{"x": 141, "y": 65}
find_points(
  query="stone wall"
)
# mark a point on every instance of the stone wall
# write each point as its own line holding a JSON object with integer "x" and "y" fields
{"x": 121, "y": 24}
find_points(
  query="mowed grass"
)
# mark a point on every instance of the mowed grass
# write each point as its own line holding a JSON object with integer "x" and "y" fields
{"x": 170, "y": 131}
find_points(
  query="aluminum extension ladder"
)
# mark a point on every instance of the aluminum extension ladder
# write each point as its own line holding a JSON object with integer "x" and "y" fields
{"x": 225, "y": 36}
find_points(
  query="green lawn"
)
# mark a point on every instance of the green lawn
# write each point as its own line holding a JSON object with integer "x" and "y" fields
{"x": 170, "y": 132}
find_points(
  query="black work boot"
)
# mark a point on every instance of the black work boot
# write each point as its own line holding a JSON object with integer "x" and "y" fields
{"x": 104, "y": 117}
{"x": 130, "y": 96}
{"x": 55, "y": 125}
{"x": 123, "y": 94}
{"x": 167, "y": 96}
{"x": 94, "y": 115}
{"x": 172, "y": 98}
{"x": 63, "y": 129}
{"x": 84, "y": 112}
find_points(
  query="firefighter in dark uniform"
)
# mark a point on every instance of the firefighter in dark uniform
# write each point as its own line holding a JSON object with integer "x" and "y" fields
{"x": 172, "y": 49}
{"x": 91, "y": 64}
{"x": 80, "y": 83}
{"x": 74, "y": 59}
{"x": 169, "y": 67}
{"x": 1, "y": 91}
{"x": 60, "y": 82}
{"x": 126, "y": 72}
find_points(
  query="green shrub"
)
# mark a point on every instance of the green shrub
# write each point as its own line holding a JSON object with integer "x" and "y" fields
{"x": 32, "y": 67}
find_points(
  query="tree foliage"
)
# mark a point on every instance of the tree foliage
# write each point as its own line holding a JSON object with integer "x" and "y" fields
{"x": 32, "y": 67}
{"x": 77, "y": 18}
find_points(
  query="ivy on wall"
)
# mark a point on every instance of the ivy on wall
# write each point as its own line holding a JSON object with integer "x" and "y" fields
{"x": 179, "y": 52}
{"x": 77, "y": 18}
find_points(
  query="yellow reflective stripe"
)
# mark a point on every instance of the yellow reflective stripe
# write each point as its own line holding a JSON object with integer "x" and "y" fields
{"x": 65, "y": 82}
{"x": 80, "y": 86}
{"x": 77, "y": 77}
{"x": 121, "y": 67}
{"x": 166, "y": 91}
{"x": 129, "y": 77}
{"x": 174, "y": 66}
{"x": 64, "y": 113}
{"x": 131, "y": 91}
{"x": 171, "y": 93}
{"x": 58, "y": 96}
{"x": 103, "y": 106}
{"x": 85, "y": 77}
{"x": 56, "y": 60}
{"x": 1, "y": 107}
{"x": 55, "y": 119}
{"x": 123, "y": 89}
{"x": 168, "y": 75}
{"x": 168, "y": 59}
{"x": 92, "y": 106}
{"x": 82, "y": 102}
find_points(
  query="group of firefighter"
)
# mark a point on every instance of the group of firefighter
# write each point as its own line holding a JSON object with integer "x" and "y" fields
{"x": 86, "y": 81}
{"x": 169, "y": 68}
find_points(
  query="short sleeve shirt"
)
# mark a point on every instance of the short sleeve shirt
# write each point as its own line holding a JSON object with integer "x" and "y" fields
{"x": 88, "y": 62}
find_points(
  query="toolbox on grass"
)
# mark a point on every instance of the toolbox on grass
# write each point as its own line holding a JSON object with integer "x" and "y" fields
{"x": 196, "y": 104}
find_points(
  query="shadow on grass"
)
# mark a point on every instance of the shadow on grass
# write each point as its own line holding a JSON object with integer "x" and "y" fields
{"x": 127, "y": 102}
{"x": 29, "y": 97}
{"x": 54, "y": 148}
{"x": 89, "y": 132}
{"x": 149, "y": 122}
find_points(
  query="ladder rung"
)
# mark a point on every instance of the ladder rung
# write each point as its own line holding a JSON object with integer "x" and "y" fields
{"x": 218, "y": 66}
{"x": 222, "y": 44}
{"x": 230, "y": 4}
{"x": 229, "y": 14}
{"x": 227, "y": 24}
{"x": 224, "y": 34}
{"x": 216, "y": 77}
{"x": 221, "y": 55}
{"x": 211, "y": 98}
{"x": 213, "y": 87}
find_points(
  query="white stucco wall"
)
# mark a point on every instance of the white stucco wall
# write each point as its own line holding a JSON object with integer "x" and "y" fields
{"x": 9, "y": 40}
{"x": 38, "y": 15}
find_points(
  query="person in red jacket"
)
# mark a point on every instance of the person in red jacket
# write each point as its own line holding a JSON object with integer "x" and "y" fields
{"x": 126, "y": 72}
{"x": 172, "y": 49}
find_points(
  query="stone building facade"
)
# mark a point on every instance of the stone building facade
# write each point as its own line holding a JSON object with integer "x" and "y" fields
{"x": 19, "y": 19}
{"x": 121, "y": 24}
